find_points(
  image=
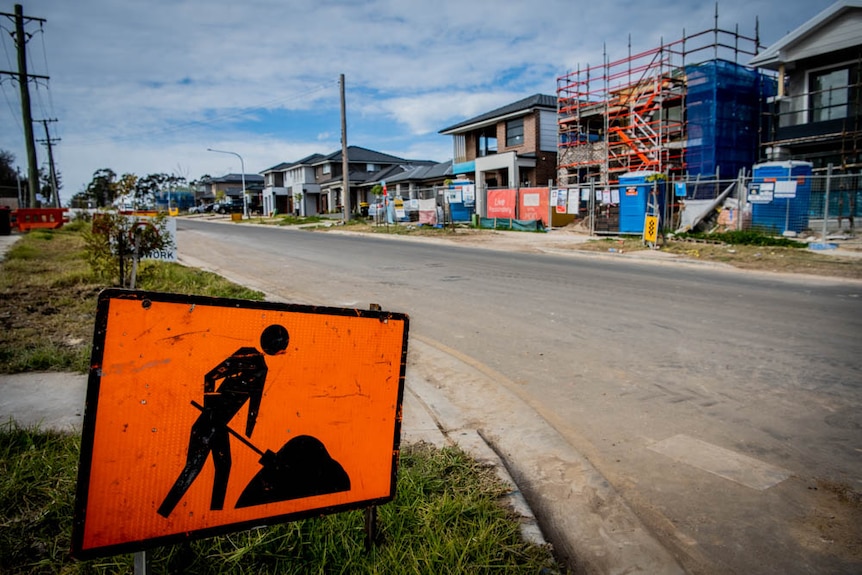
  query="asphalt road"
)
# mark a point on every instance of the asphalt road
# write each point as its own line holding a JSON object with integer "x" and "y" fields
{"x": 723, "y": 406}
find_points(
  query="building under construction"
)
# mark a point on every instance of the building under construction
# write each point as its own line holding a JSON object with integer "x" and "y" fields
{"x": 684, "y": 109}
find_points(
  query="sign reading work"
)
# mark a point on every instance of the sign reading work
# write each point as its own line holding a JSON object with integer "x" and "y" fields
{"x": 206, "y": 416}
{"x": 169, "y": 253}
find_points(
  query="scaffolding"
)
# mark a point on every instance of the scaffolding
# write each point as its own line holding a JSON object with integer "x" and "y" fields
{"x": 630, "y": 114}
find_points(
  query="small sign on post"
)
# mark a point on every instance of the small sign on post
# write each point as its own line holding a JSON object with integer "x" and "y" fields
{"x": 651, "y": 229}
{"x": 206, "y": 416}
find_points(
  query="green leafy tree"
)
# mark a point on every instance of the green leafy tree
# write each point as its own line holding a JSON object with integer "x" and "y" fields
{"x": 8, "y": 175}
{"x": 116, "y": 242}
{"x": 102, "y": 189}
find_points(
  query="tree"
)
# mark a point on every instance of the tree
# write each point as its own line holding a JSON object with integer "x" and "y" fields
{"x": 127, "y": 186}
{"x": 102, "y": 189}
{"x": 116, "y": 241}
{"x": 154, "y": 185}
{"x": 8, "y": 175}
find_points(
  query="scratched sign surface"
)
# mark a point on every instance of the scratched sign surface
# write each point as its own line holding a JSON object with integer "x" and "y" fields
{"x": 206, "y": 416}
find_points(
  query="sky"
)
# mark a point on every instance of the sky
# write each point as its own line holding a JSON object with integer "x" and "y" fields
{"x": 146, "y": 87}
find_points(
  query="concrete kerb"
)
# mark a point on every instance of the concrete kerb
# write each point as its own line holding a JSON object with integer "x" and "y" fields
{"x": 589, "y": 524}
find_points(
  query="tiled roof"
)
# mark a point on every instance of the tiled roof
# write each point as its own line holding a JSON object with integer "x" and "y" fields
{"x": 424, "y": 172}
{"x": 237, "y": 178}
{"x": 359, "y": 154}
{"x": 534, "y": 101}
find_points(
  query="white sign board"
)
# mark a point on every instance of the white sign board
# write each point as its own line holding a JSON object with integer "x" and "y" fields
{"x": 785, "y": 189}
{"x": 168, "y": 254}
{"x": 761, "y": 193}
{"x": 531, "y": 200}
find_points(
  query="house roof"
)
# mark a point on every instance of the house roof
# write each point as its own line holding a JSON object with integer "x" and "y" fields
{"x": 277, "y": 168}
{"x": 799, "y": 43}
{"x": 360, "y": 154}
{"x": 362, "y": 178}
{"x": 515, "y": 108}
{"x": 306, "y": 161}
{"x": 423, "y": 173}
{"x": 237, "y": 178}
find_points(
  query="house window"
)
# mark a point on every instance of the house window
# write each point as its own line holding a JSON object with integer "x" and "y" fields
{"x": 833, "y": 93}
{"x": 515, "y": 132}
{"x": 371, "y": 167}
{"x": 486, "y": 141}
{"x": 327, "y": 169}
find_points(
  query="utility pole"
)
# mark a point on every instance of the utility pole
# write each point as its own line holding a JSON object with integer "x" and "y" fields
{"x": 23, "y": 77}
{"x": 55, "y": 191}
{"x": 345, "y": 175}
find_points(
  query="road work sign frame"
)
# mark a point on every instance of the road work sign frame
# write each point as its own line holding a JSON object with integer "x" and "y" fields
{"x": 206, "y": 416}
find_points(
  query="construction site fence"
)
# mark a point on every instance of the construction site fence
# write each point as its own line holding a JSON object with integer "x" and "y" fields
{"x": 792, "y": 205}
{"x": 800, "y": 205}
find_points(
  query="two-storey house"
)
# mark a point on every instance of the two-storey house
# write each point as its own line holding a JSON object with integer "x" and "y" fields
{"x": 815, "y": 115}
{"x": 230, "y": 186}
{"x": 512, "y": 146}
{"x": 290, "y": 187}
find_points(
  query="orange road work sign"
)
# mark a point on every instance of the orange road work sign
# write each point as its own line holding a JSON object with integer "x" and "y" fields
{"x": 206, "y": 416}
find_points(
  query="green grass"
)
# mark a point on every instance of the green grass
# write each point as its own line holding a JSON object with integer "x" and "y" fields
{"x": 290, "y": 220}
{"x": 446, "y": 518}
{"x": 48, "y": 296}
{"x": 745, "y": 238}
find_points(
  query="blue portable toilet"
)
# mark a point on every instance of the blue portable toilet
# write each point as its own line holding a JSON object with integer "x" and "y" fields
{"x": 786, "y": 208}
{"x": 461, "y": 205}
{"x": 635, "y": 190}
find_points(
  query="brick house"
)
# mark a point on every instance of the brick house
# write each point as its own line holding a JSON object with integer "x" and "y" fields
{"x": 513, "y": 146}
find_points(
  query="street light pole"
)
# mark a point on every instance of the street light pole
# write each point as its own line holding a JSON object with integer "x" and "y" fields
{"x": 242, "y": 167}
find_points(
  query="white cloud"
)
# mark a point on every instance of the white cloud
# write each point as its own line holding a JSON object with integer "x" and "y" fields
{"x": 145, "y": 86}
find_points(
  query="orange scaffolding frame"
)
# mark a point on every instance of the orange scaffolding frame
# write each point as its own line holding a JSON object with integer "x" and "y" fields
{"x": 629, "y": 114}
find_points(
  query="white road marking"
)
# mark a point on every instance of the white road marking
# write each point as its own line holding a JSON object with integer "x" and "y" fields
{"x": 722, "y": 462}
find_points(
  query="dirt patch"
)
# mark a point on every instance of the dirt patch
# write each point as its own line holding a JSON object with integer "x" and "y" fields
{"x": 843, "y": 263}
{"x": 832, "y": 520}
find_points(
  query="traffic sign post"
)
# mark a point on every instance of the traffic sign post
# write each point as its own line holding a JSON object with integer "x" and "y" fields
{"x": 206, "y": 416}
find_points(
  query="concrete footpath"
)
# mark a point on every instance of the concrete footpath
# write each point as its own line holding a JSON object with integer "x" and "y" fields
{"x": 449, "y": 400}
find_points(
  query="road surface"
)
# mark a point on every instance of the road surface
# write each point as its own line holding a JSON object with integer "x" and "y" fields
{"x": 723, "y": 406}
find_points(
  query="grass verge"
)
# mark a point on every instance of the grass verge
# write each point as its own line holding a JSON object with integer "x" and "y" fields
{"x": 444, "y": 519}
{"x": 752, "y": 252}
{"x": 49, "y": 296}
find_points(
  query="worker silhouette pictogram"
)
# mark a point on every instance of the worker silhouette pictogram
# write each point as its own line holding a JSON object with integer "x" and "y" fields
{"x": 242, "y": 377}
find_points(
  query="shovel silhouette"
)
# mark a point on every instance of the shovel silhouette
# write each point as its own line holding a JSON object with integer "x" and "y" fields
{"x": 301, "y": 468}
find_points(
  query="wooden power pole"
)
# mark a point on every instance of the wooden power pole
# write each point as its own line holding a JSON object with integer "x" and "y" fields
{"x": 344, "y": 162}
{"x": 48, "y": 141}
{"x": 27, "y": 118}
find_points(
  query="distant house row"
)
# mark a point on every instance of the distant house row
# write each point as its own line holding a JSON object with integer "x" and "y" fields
{"x": 683, "y": 121}
{"x": 511, "y": 146}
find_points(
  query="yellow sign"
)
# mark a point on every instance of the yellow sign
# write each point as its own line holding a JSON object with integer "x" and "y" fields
{"x": 651, "y": 229}
{"x": 208, "y": 415}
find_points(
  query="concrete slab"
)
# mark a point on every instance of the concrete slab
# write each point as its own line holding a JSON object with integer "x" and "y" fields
{"x": 47, "y": 400}
{"x": 723, "y": 462}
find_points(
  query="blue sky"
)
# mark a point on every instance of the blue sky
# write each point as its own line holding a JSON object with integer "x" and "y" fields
{"x": 147, "y": 87}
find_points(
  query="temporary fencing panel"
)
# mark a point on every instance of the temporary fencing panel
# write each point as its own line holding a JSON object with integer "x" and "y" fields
{"x": 427, "y": 211}
{"x": 779, "y": 194}
{"x": 533, "y": 204}
{"x": 501, "y": 204}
